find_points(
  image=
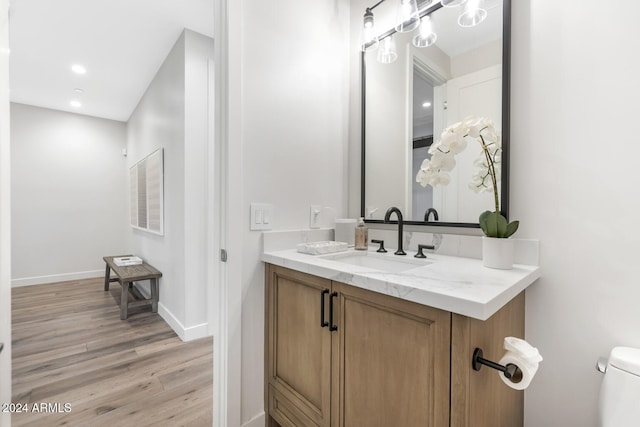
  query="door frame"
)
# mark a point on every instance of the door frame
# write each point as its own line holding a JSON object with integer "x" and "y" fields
{"x": 5, "y": 216}
{"x": 226, "y": 301}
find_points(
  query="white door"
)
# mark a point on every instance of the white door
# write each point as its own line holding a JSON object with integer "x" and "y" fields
{"x": 478, "y": 94}
{"x": 5, "y": 224}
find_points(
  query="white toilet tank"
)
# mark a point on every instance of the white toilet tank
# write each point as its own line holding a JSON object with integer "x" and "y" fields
{"x": 620, "y": 391}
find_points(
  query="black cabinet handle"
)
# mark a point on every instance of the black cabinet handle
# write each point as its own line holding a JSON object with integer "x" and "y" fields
{"x": 1, "y": 346}
{"x": 332, "y": 327}
{"x": 323, "y": 323}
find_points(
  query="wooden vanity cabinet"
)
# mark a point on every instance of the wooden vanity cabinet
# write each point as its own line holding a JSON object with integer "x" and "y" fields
{"x": 387, "y": 361}
{"x": 298, "y": 349}
{"x": 390, "y": 361}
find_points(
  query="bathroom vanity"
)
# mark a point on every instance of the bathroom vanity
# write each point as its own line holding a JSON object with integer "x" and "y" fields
{"x": 349, "y": 344}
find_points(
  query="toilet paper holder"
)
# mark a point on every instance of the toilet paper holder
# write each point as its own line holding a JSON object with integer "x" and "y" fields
{"x": 510, "y": 371}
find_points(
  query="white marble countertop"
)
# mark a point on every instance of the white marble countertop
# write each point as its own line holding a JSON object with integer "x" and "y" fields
{"x": 456, "y": 284}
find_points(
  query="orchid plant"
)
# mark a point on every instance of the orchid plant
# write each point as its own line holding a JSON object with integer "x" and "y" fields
{"x": 435, "y": 170}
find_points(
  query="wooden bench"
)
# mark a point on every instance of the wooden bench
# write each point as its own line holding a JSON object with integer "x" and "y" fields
{"x": 128, "y": 274}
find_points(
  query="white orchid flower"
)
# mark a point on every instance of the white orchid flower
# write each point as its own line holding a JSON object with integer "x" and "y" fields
{"x": 489, "y": 134}
{"x": 454, "y": 140}
{"x": 472, "y": 121}
{"x": 458, "y": 146}
{"x": 422, "y": 177}
{"x": 473, "y": 126}
{"x": 435, "y": 147}
{"x": 453, "y": 137}
{"x": 476, "y": 187}
{"x": 441, "y": 178}
{"x": 456, "y": 127}
{"x": 442, "y": 161}
{"x": 486, "y": 122}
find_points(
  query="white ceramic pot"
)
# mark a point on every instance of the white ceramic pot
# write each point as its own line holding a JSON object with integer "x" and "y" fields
{"x": 497, "y": 253}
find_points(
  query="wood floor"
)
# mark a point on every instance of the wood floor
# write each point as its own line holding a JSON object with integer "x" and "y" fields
{"x": 70, "y": 347}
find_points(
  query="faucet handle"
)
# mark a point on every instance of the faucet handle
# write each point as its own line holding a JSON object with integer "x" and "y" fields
{"x": 420, "y": 248}
{"x": 381, "y": 243}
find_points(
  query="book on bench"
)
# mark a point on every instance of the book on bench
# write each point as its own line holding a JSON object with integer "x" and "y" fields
{"x": 127, "y": 260}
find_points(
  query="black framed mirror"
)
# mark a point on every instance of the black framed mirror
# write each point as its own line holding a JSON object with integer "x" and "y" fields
{"x": 407, "y": 104}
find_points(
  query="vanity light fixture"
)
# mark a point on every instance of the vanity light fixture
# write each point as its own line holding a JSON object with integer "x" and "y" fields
{"x": 407, "y": 16}
{"x": 472, "y": 14}
{"x": 426, "y": 36}
{"x": 452, "y": 3}
{"x": 387, "y": 53}
{"x": 78, "y": 69}
{"x": 369, "y": 37}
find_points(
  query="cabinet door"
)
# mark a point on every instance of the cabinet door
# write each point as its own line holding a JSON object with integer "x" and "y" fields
{"x": 298, "y": 349}
{"x": 391, "y": 361}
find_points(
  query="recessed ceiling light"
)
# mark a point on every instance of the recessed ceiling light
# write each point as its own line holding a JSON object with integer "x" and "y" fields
{"x": 426, "y": 104}
{"x": 78, "y": 69}
{"x": 78, "y": 90}
{"x": 76, "y": 104}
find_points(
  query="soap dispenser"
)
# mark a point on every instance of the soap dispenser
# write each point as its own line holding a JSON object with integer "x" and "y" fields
{"x": 362, "y": 236}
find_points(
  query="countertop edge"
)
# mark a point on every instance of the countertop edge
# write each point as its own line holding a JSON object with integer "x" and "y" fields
{"x": 481, "y": 310}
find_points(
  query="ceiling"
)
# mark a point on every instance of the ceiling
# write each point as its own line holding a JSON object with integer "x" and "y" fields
{"x": 121, "y": 43}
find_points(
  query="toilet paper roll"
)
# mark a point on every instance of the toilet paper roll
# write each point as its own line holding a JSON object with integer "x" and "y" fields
{"x": 524, "y": 356}
{"x": 519, "y": 381}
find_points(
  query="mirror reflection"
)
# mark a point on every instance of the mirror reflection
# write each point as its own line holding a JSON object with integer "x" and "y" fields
{"x": 410, "y": 101}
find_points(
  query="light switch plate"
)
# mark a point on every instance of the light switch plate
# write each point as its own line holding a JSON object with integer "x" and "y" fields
{"x": 261, "y": 216}
{"x": 314, "y": 216}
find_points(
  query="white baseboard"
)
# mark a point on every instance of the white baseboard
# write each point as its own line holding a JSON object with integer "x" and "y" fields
{"x": 40, "y": 280}
{"x": 257, "y": 421}
{"x": 143, "y": 288}
{"x": 185, "y": 334}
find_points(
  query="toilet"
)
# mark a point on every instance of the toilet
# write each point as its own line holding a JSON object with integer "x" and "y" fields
{"x": 620, "y": 390}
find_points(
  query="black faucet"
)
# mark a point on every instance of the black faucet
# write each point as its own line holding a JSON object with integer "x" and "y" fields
{"x": 400, "y": 224}
{"x": 429, "y": 212}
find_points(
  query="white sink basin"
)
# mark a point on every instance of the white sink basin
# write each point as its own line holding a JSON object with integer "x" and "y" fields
{"x": 388, "y": 262}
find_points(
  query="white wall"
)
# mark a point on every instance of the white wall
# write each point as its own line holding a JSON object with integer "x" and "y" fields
{"x": 198, "y": 50}
{"x": 293, "y": 110}
{"x": 158, "y": 122}
{"x": 574, "y": 185}
{"x": 68, "y": 194}
{"x": 172, "y": 115}
{"x": 476, "y": 59}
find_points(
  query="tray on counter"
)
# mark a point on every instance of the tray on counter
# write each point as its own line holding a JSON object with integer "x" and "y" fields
{"x": 321, "y": 248}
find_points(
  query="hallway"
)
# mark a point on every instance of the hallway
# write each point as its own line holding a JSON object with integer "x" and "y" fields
{"x": 72, "y": 352}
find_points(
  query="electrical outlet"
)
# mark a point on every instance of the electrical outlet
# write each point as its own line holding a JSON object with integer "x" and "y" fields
{"x": 314, "y": 216}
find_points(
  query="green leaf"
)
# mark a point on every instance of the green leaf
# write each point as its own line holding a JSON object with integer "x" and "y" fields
{"x": 502, "y": 225}
{"x": 512, "y": 228}
{"x": 483, "y": 221}
{"x": 494, "y": 224}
